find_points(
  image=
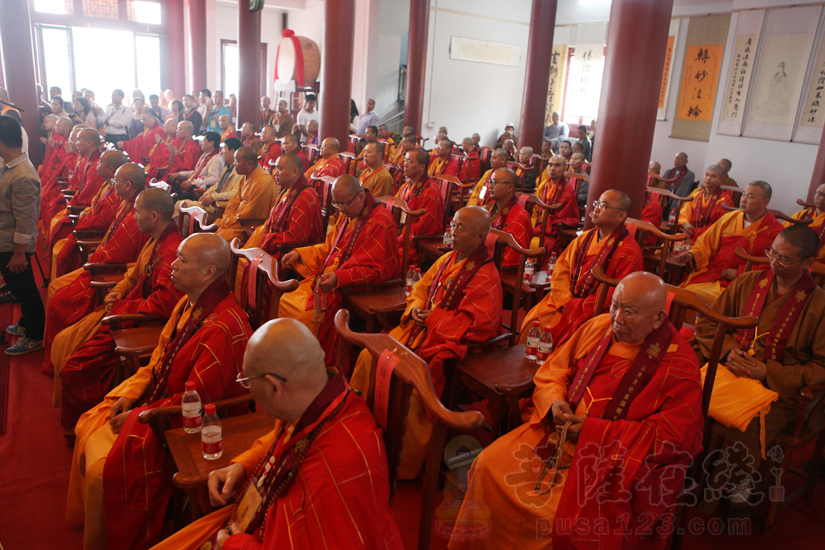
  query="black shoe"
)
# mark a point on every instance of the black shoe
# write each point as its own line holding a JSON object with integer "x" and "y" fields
{"x": 8, "y": 298}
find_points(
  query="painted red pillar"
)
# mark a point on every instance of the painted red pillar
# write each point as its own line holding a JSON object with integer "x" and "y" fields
{"x": 336, "y": 81}
{"x": 416, "y": 64}
{"x": 818, "y": 177}
{"x": 18, "y": 67}
{"x": 197, "y": 44}
{"x": 249, "y": 54}
{"x": 537, "y": 74}
{"x": 629, "y": 99}
{"x": 174, "y": 62}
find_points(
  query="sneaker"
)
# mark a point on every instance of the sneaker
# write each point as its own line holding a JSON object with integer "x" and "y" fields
{"x": 16, "y": 330}
{"x": 24, "y": 346}
{"x": 7, "y": 298}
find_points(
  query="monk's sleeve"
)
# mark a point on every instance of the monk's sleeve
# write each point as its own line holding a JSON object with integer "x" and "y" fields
{"x": 554, "y": 377}
{"x": 129, "y": 280}
{"x": 230, "y": 212}
{"x": 216, "y": 363}
{"x": 788, "y": 380}
{"x": 627, "y": 259}
{"x": 421, "y": 289}
{"x": 686, "y": 213}
{"x": 251, "y": 458}
{"x": 310, "y": 171}
{"x": 259, "y": 200}
{"x": 312, "y": 257}
{"x": 162, "y": 295}
{"x": 101, "y": 219}
{"x": 560, "y": 281}
{"x": 430, "y": 222}
{"x": 706, "y": 245}
{"x": 300, "y": 224}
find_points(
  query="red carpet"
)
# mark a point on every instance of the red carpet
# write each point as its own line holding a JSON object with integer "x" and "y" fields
{"x": 6, "y": 316}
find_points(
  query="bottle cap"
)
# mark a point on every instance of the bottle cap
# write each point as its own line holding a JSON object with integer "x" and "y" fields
{"x": 536, "y": 323}
{"x": 547, "y": 328}
{"x": 209, "y": 409}
{"x": 418, "y": 270}
{"x": 190, "y": 386}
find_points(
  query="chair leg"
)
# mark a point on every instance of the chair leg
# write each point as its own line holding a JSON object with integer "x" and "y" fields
{"x": 431, "y": 471}
{"x": 810, "y": 483}
{"x": 773, "y": 505}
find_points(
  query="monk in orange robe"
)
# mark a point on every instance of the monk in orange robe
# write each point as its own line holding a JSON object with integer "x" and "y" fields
{"x": 457, "y": 302}
{"x": 471, "y": 165}
{"x": 120, "y": 481}
{"x": 615, "y": 419}
{"x": 375, "y": 176}
{"x": 419, "y": 192}
{"x": 817, "y": 214}
{"x": 184, "y": 156}
{"x": 140, "y": 147}
{"x": 254, "y": 198}
{"x": 361, "y": 249}
{"x": 555, "y": 191}
{"x": 328, "y": 164}
{"x": 572, "y": 297}
{"x": 713, "y": 255}
{"x": 159, "y": 153}
{"x": 507, "y": 213}
{"x": 97, "y": 217}
{"x": 763, "y": 369}
{"x": 707, "y": 205}
{"x": 83, "y": 355}
{"x": 71, "y": 296}
{"x": 481, "y": 193}
{"x": 227, "y": 128}
{"x": 271, "y": 149}
{"x": 342, "y": 465}
{"x": 525, "y": 170}
{"x": 443, "y": 162}
{"x": 408, "y": 143}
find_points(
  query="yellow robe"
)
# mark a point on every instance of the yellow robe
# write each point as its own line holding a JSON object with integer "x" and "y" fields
{"x": 378, "y": 181}
{"x": 254, "y": 199}
{"x": 474, "y": 199}
{"x": 816, "y": 225}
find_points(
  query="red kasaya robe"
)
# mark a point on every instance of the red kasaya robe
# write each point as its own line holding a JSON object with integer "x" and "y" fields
{"x": 563, "y": 193}
{"x": 652, "y": 213}
{"x": 515, "y": 220}
{"x": 332, "y": 167}
{"x": 141, "y": 146}
{"x": 89, "y": 183}
{"x": 470, "y": 169}
{"x": 159, "y": 157}
{"x": 187, "y": 157}
{"x": 443, "y": 167}
{"x": 703, "y": 211}
{"x": 269, "y": 152}
{"x": 52, "y": 158}
{"x": 54, "y": 202}
{"x": 422, "y": 194}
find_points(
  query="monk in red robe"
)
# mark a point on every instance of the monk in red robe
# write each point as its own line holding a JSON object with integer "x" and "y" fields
{"x": 443, "y": 162}
{"x": 560, "y": 195}
{"x": 616, "y": 418}
{"x": 471, "y": 167}
{"x": 419, "y": 192}
{"x": 652, "y": 213}
{"x": 160, "y": 152}
{"x": 97, "y": 217}
{"x": 817, "y": 214}
{"x": 713, "y": 255}
{"x": 64, "y": 170}
{"x": 361, "y": 249}
{"x": 120, "y": 481}
{"x": 507, "y": 213}
{"x": 271, "y": 149}
{"x": 83, "y": 355}
{"x": 184, "y": 157}
{"x": 324, "y": 422}
{"x": 328, "y": 164}
{"x": 71, "y": 296}
{"x": 139, "y": 147}
{"x": 88, "y": 145}
{"x": 707, "y": 205}
{"x": 55, "y": 149}
{"x": 292, "y": 145}
{"x": 572, "y": 297}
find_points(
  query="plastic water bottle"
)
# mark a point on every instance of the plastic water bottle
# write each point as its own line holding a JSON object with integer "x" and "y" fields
{"x": 545, "y": 346}
{"x": 672, "y": 218}
{"x": 533, "y": 338}
{"x": 417, "y": 275}
{"x": 448, "y": 238}
{"x": 410, "y": 280}
{"x": 211, "y": 434}
{"x": 192, "y": 411}
{"x": 551, "y": 265}
{"x": 529, "y": 269}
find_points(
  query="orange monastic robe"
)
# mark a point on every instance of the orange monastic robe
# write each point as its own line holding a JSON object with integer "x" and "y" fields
{"x": 332, "y": 167}
{"x": 515, "y": 220}
{"x": 715, "y": 251}
{"x": 379, "y": 181}
{"x": 703, "y": 211}
{"x": 564, "y": 193}
{"x": 254, "y": 198}
{"x": 817, "y": 225}
{"x": 159, "y": 157}
{"x": 422, "y": 194}
{"x": 344, "y": 511}
{"x": 366, "y": 258}
{"x": 71, "y": 297}
{"x": 228, "y": 133}
{"x": 481, "y": 194}
{"x": 572, "y": 300}
{"x": 476, "y": 318}
{"x": 625, "y": 474}
{"x": 141, "y": 146}
{"x": 443, "y": 167}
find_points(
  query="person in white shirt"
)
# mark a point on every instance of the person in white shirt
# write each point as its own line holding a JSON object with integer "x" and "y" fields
{"x": 305, "y": 115}
{"x": 368, "y": 119}
{"x": 207, "y": 171}
{"x": 116, "y": 118}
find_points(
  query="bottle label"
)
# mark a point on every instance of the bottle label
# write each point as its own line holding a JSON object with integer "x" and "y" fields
{"x": 532, "y": 345}
{"x": 544, "y": 352}
{"x": 192, "y": 421}
{"x": 212, "y": 440}
{"x": 213, "y": 448}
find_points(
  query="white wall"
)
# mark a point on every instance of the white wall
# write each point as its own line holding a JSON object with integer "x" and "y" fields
{"x": 394, "y": 22}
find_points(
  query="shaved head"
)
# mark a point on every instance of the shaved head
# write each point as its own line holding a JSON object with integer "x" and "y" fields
{"x": 501, "y": 153}
{"x": 209, "y": 249}
{"x": 469, "y": 230}
{"x": 134, "y": 173}
{"x": 331, "y": 142}
{"x": 726, "y": 165}
{"x": 654, "y": 167}
{"x": 346, "y": 185}
{"x": 764, "y": 188}
{"x": 91, "y": 135}
{"x": 507, "y": 175}
{"x": 158, "y": 201}
{"x": 803, "y": 238}
{"x": 114, "y": 159}
{"x": 65, "y": 124}
{"x": 620, "y": 199}
{"x": 247, "y": 154}
{"x": 477, "y": 217}
{"x": 638, "y": 306}
{"x": 291, "y": 161}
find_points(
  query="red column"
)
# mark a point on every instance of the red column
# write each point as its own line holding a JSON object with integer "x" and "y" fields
{"x": 818, "y": 177}
{"x": 416, "y": 63}
{"x": 336, "y": 81}
{"x": 18, "y": 66}
{"x": 197, "y": 44}
{"x": 629, "y": 98}
{"x": 537, "y": 73}
{"x": 174, "y": 62}
{"x": 249, "y": 53}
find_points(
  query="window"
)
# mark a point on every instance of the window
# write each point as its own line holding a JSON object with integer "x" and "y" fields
{"x": 104, "y": 9}
{"x": 144, "y": 12}
{"x": 56, "y": 59}
{"x": 582, "y": 86}
{"x": 231, "y": 69}
{"x": 147, "y": 61}
{"x": 59, "y": 7}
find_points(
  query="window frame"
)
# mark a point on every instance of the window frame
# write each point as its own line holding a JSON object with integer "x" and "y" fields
{"x": 227, "y": 42}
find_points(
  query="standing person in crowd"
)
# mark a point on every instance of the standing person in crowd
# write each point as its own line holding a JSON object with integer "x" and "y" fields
{"x": 83, "y": 113}
{"x": 115, "y": 119}
{"x": 307, "y": 113}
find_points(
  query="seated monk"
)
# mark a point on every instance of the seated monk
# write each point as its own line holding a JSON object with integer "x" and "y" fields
{"x": 184, "y": 153}
{"x": 526, "y": 175}
{"x": 55, "y": 148}
{"x": 419, "y": 192}
{"x": 759, "y": 379}
{"x": 51, "y": 196}
{"x": 228, "y": 182}
{"x": 120, "y": 482}
{"x": 555, "y": 191}
{"x": 408, "y": 143}
{"x": 652, "y": 213}
{"x": 97, "y": 217}
{"x": 292, "y": 145}
{"x": 625, "y": 447}
{"x": 159, "y": 154}
{"x": 507, "y": 214}
{"x": 375, "y": 176}
{"x": 271, "y": 149}
{"x": 572, "y": 297}
{"x": 248, "y": 137}
{"x": 322, "y": 412}
{"x": 71, "y": 297}
{"x": 328, "y": 163}
{"x": 713, "y": 255}
{"x": 362, "y": 249}
{"x": 481, "y": 193}
{"x": 141, "y": 145}
{"x": 471, "y": 168}
{"x": 817, "y": 214}
{"x": 294, "y": 221}
{"x": 457, "y": 302}
{"x": 254, "y": 198}
{"x": 443, "y": 162}
{"x": 726, "y": 165}
{"x": 696, "y": 216}
{"x": 227, "y": 128}
{"x": 83, "y": 355}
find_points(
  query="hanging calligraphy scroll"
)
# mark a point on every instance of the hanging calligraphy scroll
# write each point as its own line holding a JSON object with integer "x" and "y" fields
{"x": 585, "y": 84}
{"x": 704, "y": 49}
{"x": 812, "y": 117}
{"x": 780, "y": 72}
{"x": 667, "y": 71}
{"x": 558, "y": 61}
{"x": 743, "y": 59}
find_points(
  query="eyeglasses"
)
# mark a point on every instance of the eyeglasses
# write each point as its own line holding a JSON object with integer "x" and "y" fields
{"x": 601, "y": 205}
{"x": 244, "y": 380}
{"x": 784, "y": 261}
{"x": 819, "y": 194}
{"x": 457, "y": 227}
{"x": 493, "y": 183}
{"x": 342, "y": 205}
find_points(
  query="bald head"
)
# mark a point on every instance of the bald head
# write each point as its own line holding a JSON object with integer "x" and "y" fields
{"x": 638, "y": 306}
{"x": 654, "y": 168}
{"x": 63, "y": 126}
{"x": 469, "y": 230}
{"x": 506, "y": 175}
{"x": 290, "y": 161}
{"x": 726, "y": 165}
{"x": 246, "y": 153}
{"x": 88, "y": 141}
{"x": 332, "y": 143}
{"x": 133, "y": 173}
{"x": 346, "y": 186}
{"x": 113, "y": 159}
{"x": 477, "y": 218}
{"x": 209, "y": 249}
{"x": 158, "y": 201}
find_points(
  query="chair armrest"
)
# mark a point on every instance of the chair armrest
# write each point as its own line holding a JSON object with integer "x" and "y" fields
{"x": 149, "y": 415}
{"x": 89, "y": 243}
{"x": 252, "y": 221}
{"x": 130, "y": 318}
{"x": 88, "y": 233}
{"x": 103, "y": 284}
{"x": 76, "y": 209}
{"x": 400, "y": 306}
{"x": 69, "y": 192}
{"x": 807, "y": 395}
{"x": 94, "y": 268}
{"x": 500, "y": 339}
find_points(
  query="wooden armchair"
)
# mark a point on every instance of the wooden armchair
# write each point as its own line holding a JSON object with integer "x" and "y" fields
{"x": 817, "y": 270}
{"x": 735, "y": 193}
{"x": 804, "y": 204}
{"x": 446, "y": 185}
{"x": 195, "y": 214}
{"x": 658, "y": 182}
{"x": 350, "y": 161}
{"x": 578, "y": 178}
{"x": 264, "y": 288}
{"x": 136, "y": 337}
{"x": 105, "y": 277}
{"x": 666, "y": 197}
{"x": 87, "y": 242}
{"x": 323, "y": 186}
{"x": 411, "y": 373}
{"x": 776, "y": 214}
{"x": 658, "y": 257}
